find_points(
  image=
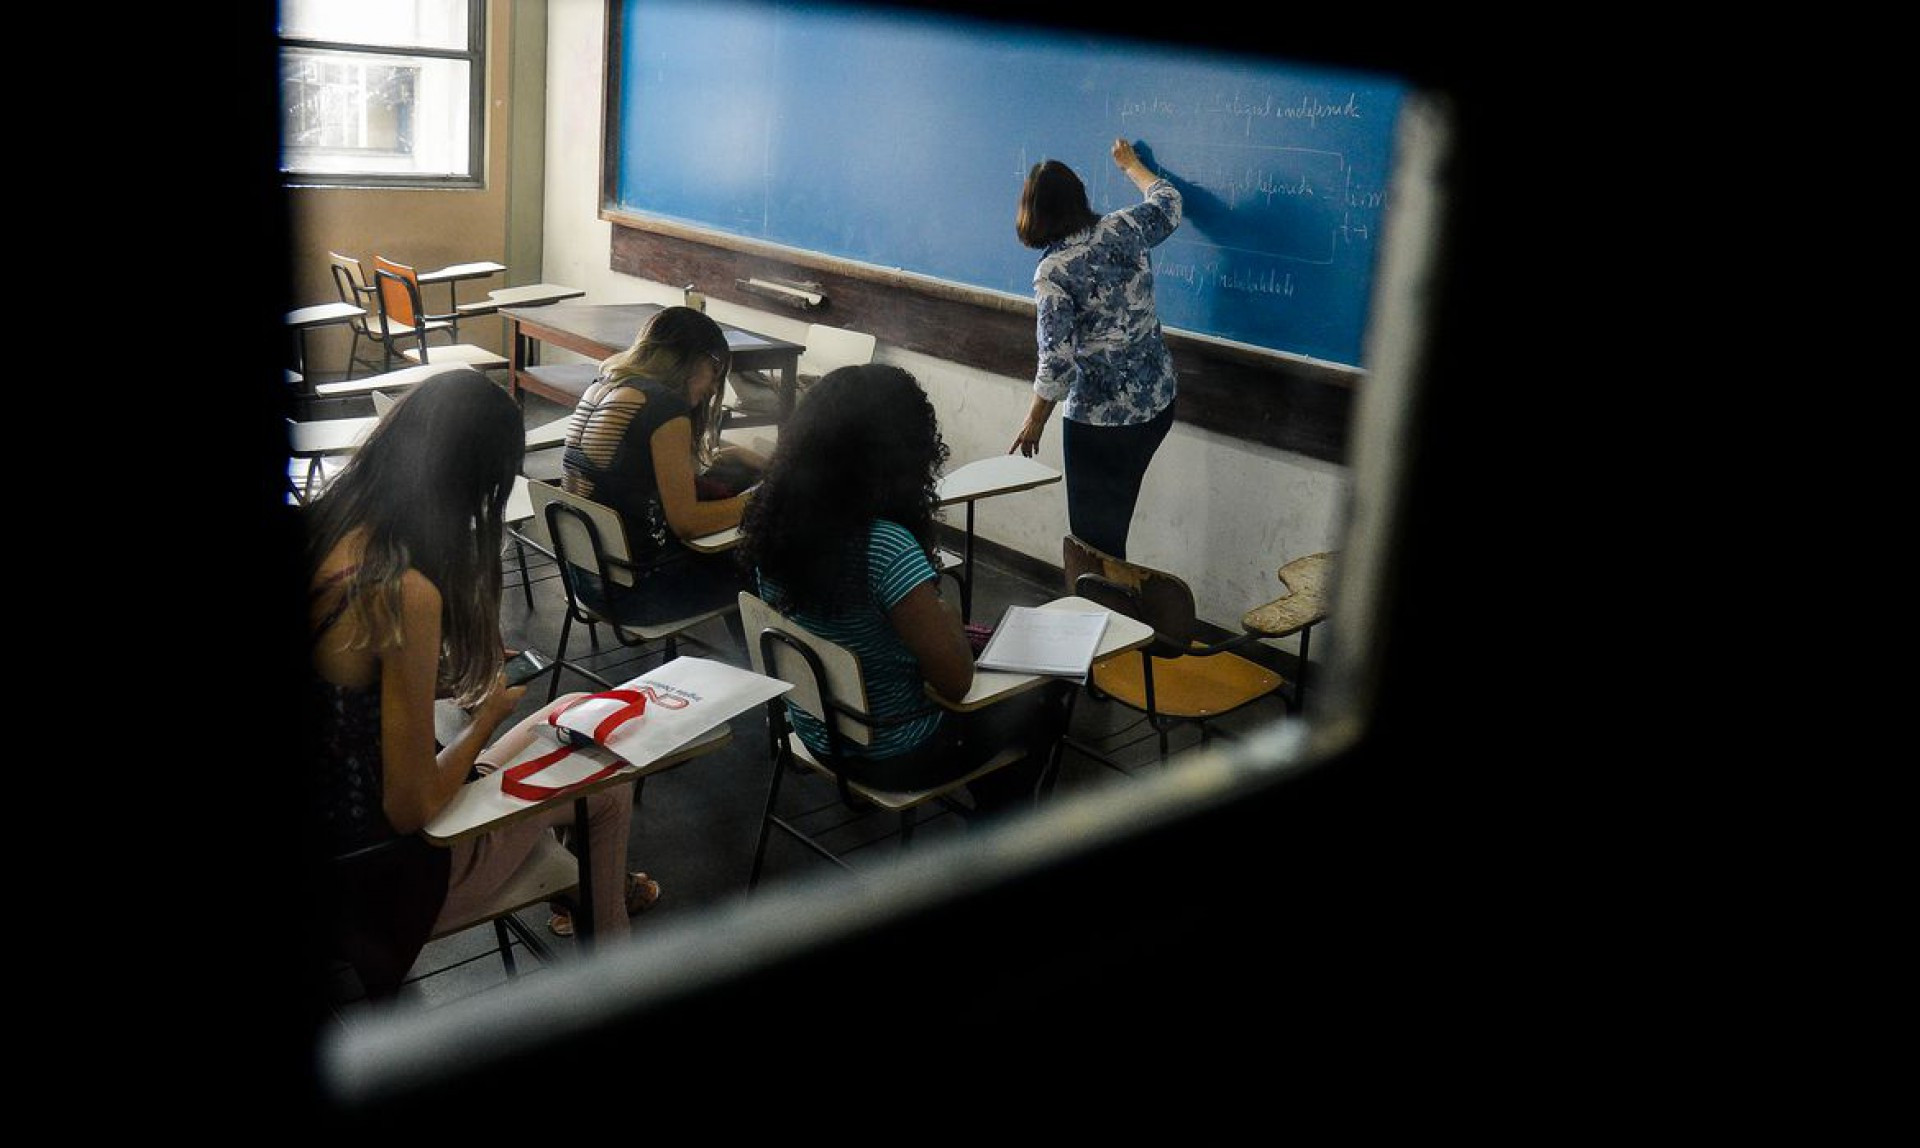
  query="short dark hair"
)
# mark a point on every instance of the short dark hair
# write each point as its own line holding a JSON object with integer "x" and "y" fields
{"x": 1053, "y": 205}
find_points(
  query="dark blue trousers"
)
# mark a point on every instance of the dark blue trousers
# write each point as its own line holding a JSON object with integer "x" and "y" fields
{"x": 1104, "y": 468}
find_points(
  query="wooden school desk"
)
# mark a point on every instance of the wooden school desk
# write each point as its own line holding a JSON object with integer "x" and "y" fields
{"x": 597, "y": 330}
{"x": 984, "y": 478}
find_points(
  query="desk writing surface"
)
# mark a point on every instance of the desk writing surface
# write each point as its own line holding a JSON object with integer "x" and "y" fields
{"x": 389, "y": 380}
{"x": 531, "y": 295}
{"x": 999, "y": 474}
{"x": 458, "y": 271}
{"x": 480, "y": 805}
{"x": 328, "y": 436}
{"x": 519, "y": 501}
{"x": 321, "y": 314}
{"x": 989, "y": 686}
{"x": 716, "y": 542}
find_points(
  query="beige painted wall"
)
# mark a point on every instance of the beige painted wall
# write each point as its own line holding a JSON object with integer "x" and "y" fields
{"x": 422, "y": 228}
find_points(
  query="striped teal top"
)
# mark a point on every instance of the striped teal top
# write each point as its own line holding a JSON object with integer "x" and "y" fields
{"x": 895, "y": 565}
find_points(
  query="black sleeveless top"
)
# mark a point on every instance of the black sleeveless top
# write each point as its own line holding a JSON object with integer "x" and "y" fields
{"x": 383, "y": 891}
{"x": 626, "y": 483}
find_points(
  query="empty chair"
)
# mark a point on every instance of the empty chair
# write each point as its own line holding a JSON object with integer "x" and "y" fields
{"x": 403, "y": 321}
{"x": 753, "y": 397}
{"x": 354, "y": 286}
{"x": 1179, "y": 676}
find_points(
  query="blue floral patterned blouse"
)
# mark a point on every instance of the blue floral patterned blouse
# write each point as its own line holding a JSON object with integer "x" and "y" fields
{"x": 1098, "y": 331}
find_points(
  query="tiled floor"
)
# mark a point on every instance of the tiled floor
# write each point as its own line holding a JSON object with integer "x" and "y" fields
{"x": 695, "y": 826}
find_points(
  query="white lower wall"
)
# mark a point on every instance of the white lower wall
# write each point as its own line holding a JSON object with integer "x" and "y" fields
{"x": 1222, "y": 513}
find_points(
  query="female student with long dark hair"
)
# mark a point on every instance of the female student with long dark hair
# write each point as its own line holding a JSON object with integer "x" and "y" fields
{"x": 1098, "y": 332}
{"x": 841, "y": 539}
{"x": 403, "y": 575}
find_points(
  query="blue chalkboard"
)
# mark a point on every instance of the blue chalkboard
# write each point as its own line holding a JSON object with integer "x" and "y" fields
{"x": 900, "y": 139}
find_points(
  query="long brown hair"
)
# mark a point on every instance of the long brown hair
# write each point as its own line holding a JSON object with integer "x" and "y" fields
{"x": 429, "y": 487}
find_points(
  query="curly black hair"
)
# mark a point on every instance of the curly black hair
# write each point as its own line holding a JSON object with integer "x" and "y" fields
{"x": 863, "y": 444}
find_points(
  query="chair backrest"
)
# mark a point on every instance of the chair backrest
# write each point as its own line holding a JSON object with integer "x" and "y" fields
{"x": 1159, "y": 599}
{"x": 399, "y": 292}
{"x": 825, "y": 675}
{"x": 351, "y": 285}
{"x": 586, "y": 535}
{"x": 830, "y": 347}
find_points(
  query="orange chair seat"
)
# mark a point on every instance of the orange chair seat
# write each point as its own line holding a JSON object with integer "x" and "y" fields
{"x": 1186, "y": 687}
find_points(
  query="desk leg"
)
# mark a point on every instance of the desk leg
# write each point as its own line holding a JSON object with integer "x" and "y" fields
{"x": 966, "y": 583}
{"x": 1300, "y": 679}
{"x": 517, "y": 361}
{"x": 453, "y": 306}
{"x": 789, "y": 388}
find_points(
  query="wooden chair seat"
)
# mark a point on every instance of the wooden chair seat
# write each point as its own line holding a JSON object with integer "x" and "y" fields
{"x": 1194, "y": 688}
{"x": 1194, "y": 678}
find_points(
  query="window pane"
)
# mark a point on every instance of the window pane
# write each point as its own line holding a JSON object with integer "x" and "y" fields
{"x": 396, "y": 23}
{"x": 349, "y": 112}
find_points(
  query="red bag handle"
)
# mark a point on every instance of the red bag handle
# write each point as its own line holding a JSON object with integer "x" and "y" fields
{"x": 636, "y": 704}
{"x": 513, "y": 782}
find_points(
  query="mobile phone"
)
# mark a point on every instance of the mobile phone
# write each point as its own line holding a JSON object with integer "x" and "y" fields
{"x": 525, "y": 666}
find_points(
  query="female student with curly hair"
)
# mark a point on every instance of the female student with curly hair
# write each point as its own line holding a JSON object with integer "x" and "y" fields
{"x": 403, "y": 575}
{"x": 1098, "y": 331}
{"x": 841, "y": 539}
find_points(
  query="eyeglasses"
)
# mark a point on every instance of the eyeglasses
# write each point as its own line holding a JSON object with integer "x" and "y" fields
{"x": 719, "y": 364}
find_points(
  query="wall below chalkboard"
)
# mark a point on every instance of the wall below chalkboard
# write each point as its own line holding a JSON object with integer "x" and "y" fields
{"x": 1289, "y": 403}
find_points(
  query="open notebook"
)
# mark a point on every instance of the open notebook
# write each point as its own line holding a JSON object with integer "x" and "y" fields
{"x": 1030, "y": 640}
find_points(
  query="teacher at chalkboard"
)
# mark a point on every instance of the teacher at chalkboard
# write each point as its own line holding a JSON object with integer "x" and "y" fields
{"x": 1100, "y": 349}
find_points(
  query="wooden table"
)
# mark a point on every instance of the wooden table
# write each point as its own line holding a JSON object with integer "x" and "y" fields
{"x": 598, "y": 330}
{"x": 984, "y": 478}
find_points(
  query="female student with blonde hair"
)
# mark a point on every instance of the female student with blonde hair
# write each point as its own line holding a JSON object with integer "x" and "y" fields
{"x": 636, "y": 443}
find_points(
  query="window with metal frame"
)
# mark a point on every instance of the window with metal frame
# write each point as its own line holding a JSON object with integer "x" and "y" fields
{"x": 383, "y": 93}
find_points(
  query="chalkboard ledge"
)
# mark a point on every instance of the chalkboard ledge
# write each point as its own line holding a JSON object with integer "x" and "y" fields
{"x": 1288, "y": 401}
